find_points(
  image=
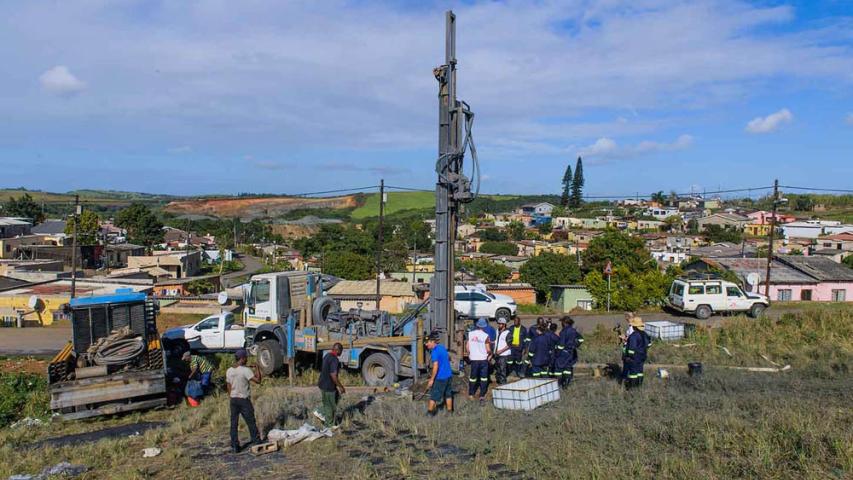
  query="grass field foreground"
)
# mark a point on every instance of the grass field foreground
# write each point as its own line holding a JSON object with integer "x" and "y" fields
{"x": 723, "y": 424}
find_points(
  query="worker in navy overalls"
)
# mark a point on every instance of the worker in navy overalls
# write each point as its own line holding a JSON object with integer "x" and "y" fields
{"x": 566, "y": 352}
{"x": 634, "y": 356}
{"x": 539, "y": 354}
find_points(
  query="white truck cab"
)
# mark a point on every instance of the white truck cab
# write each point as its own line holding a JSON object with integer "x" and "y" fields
{"x": 216, "y": 332}
{"x": 704, "y": 297}
{"x": 476, "y": 301}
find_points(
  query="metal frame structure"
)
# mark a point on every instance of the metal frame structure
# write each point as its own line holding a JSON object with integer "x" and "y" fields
{"x": 453, "y": 188}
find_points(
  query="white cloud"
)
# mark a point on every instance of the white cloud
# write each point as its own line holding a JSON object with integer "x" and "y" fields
{"x": 849, "y": 118}
{"x": 605, "y": 149}
{"x": 60, "y": 81}
{"x": 770, "y": 123}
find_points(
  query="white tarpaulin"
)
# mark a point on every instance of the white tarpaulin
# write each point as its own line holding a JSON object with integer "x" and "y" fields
{"x": 306, "y": 432}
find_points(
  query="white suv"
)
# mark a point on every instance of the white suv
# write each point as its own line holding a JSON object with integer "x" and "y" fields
{"x": 475, "y": 302}
{"x": 706, "y": 297}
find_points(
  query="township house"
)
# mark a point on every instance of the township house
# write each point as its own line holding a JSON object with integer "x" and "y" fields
{"x": 395, "y": 296}
{"x": 730, "y": 220}
{"x": 792, "y": 277}
{"x": 836, "y": 247}
{"x": 178, "y": 264}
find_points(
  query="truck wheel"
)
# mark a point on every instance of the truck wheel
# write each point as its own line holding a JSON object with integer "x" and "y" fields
{"x": 703, "y": 312}
{"x": 323, "y": 307}
{"x": 503, "y": 313}
{"x": 378, "y": 370}
{"x": 757, "y": 310}
{"x": 269, "y": 356}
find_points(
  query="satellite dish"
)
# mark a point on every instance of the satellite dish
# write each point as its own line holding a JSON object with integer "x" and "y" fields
{"x": 222, "y": 298}
{"x": 753, "y": 279}
{"x": 35, "y": 303}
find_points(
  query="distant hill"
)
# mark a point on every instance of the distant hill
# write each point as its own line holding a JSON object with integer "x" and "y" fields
{"x": 265, "y": 207}
{"x": 424, "y": 202}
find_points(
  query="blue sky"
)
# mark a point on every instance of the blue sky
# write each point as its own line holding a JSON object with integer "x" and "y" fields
{"x": 289, "y": 97}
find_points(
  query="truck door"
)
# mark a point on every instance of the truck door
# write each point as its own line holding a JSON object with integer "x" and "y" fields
{"x": 463, "y": 304}
{"x": 210, "y": 333}
{"x": 261, "y": 306}
{"x": 482, "y": 305}
{"x": 714, "y": 296}
{"x": 736, "y": 300}
{"x": 233, "y": 335}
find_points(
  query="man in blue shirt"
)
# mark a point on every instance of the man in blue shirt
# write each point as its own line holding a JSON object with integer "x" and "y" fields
{"x": 441, "y": 377}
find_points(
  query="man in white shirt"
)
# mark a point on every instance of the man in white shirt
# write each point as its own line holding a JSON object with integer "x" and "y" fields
{"x": 479, "y": 352}
{"x": 237, "y": 379}
{"x": 502, "y": 352}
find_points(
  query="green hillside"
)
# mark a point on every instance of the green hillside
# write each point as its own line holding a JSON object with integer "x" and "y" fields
{"x": 397, "y": 202}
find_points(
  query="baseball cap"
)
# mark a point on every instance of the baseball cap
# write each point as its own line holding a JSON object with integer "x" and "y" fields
{"x": 501, "y": 321}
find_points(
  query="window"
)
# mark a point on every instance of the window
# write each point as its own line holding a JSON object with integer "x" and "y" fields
{"x": 839, "y": 295}
{"x": 783, "y": 295}
{"x": 678, "y": 289}
{"x": 714, "y": 289}
{"x": 229, "y": 321}
{"x": 696, "y": 290}
{"x": 208, "y": 324}
{"x": 805, "y": 295}
{"x": 463, "y": 297}
{"x": 260, "y": 292}
{"x": 733, "y": 292}
{"x": 479, "y": 297}
{"x": 585, "y": 304}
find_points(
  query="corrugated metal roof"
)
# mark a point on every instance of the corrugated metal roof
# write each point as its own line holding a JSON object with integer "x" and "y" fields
{"x": 779, "y": 272}
{"x": 821, "y": 268}
{"x": 8, "y": 221}
{"x": 368, "y": 287}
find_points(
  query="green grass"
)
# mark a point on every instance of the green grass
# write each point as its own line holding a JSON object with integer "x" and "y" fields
{"x": 397, "y": 202}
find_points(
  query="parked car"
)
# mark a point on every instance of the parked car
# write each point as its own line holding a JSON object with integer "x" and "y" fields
{"x": 475, "y": 302}
{"x": 703, "y": 298}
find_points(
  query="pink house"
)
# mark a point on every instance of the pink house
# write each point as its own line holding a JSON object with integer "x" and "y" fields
{"x": 762, "y": 216}
{"x": 792, "y": 278}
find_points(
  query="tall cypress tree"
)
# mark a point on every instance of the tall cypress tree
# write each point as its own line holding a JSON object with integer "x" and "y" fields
{"x": 577, "y": 185}
{"x": 567, "y": 185}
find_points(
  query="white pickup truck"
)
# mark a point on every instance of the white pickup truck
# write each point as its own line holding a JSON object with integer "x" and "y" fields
{"x": 214, "y": 333}
{"x": 703, "y": 298}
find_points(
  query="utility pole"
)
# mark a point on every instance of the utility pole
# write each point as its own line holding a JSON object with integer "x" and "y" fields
{"x": 770, "y": 242}
{"x": 452, "y": 189}
{"x": 76, "y": 218}
{"x": 380, "y": 237}
{"x": 187, "y": 250}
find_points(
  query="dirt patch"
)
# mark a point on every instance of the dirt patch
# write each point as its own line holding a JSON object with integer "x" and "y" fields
{"x": 24, "y": 365}
{"x": 133, "y": 429}
{"x": 250, "y": 208}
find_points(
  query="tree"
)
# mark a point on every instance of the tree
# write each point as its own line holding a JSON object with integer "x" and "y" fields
{"x": 545, "y": 228}
{"x": 577, "y": 185}
{"x": 717, "y": 233}
{"x": 348, "y": 265}
{"x": 559, "y": 211}
{"x": 621, "y": 249}
{"x": 499, "y": 248}
{"x": 515, "y": 229}
{"x": 486, "y": 270}
{"x": 87, "y": 230}
{"x": 673, "y": 223}
{"x": 693, "y": 226}
{"x": 24, "y": 207}
{"x": 848, "y": 260}
{"x": 200, "y": 287}
{"x": 659, "y": 197}
{"x": 548, "y": 269}
{"x": 629, "y": 290}
{"x": 567, "y": 186}
{"x": 493, "y": 235}
{"x": 143, "y": 227}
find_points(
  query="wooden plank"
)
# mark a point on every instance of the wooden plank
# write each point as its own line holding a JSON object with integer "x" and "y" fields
{"x": 105, "y": 391}
{"x": 115, "y": 408}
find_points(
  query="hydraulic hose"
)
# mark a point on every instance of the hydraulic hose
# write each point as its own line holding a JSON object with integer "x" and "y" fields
{"x": 120, "y": 352}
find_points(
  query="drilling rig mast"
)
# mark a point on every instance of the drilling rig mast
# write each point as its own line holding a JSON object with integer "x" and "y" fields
{"x": 453, "y": 188}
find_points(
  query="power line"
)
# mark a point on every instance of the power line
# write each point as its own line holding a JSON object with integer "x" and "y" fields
{"x": 835, "y": 190}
